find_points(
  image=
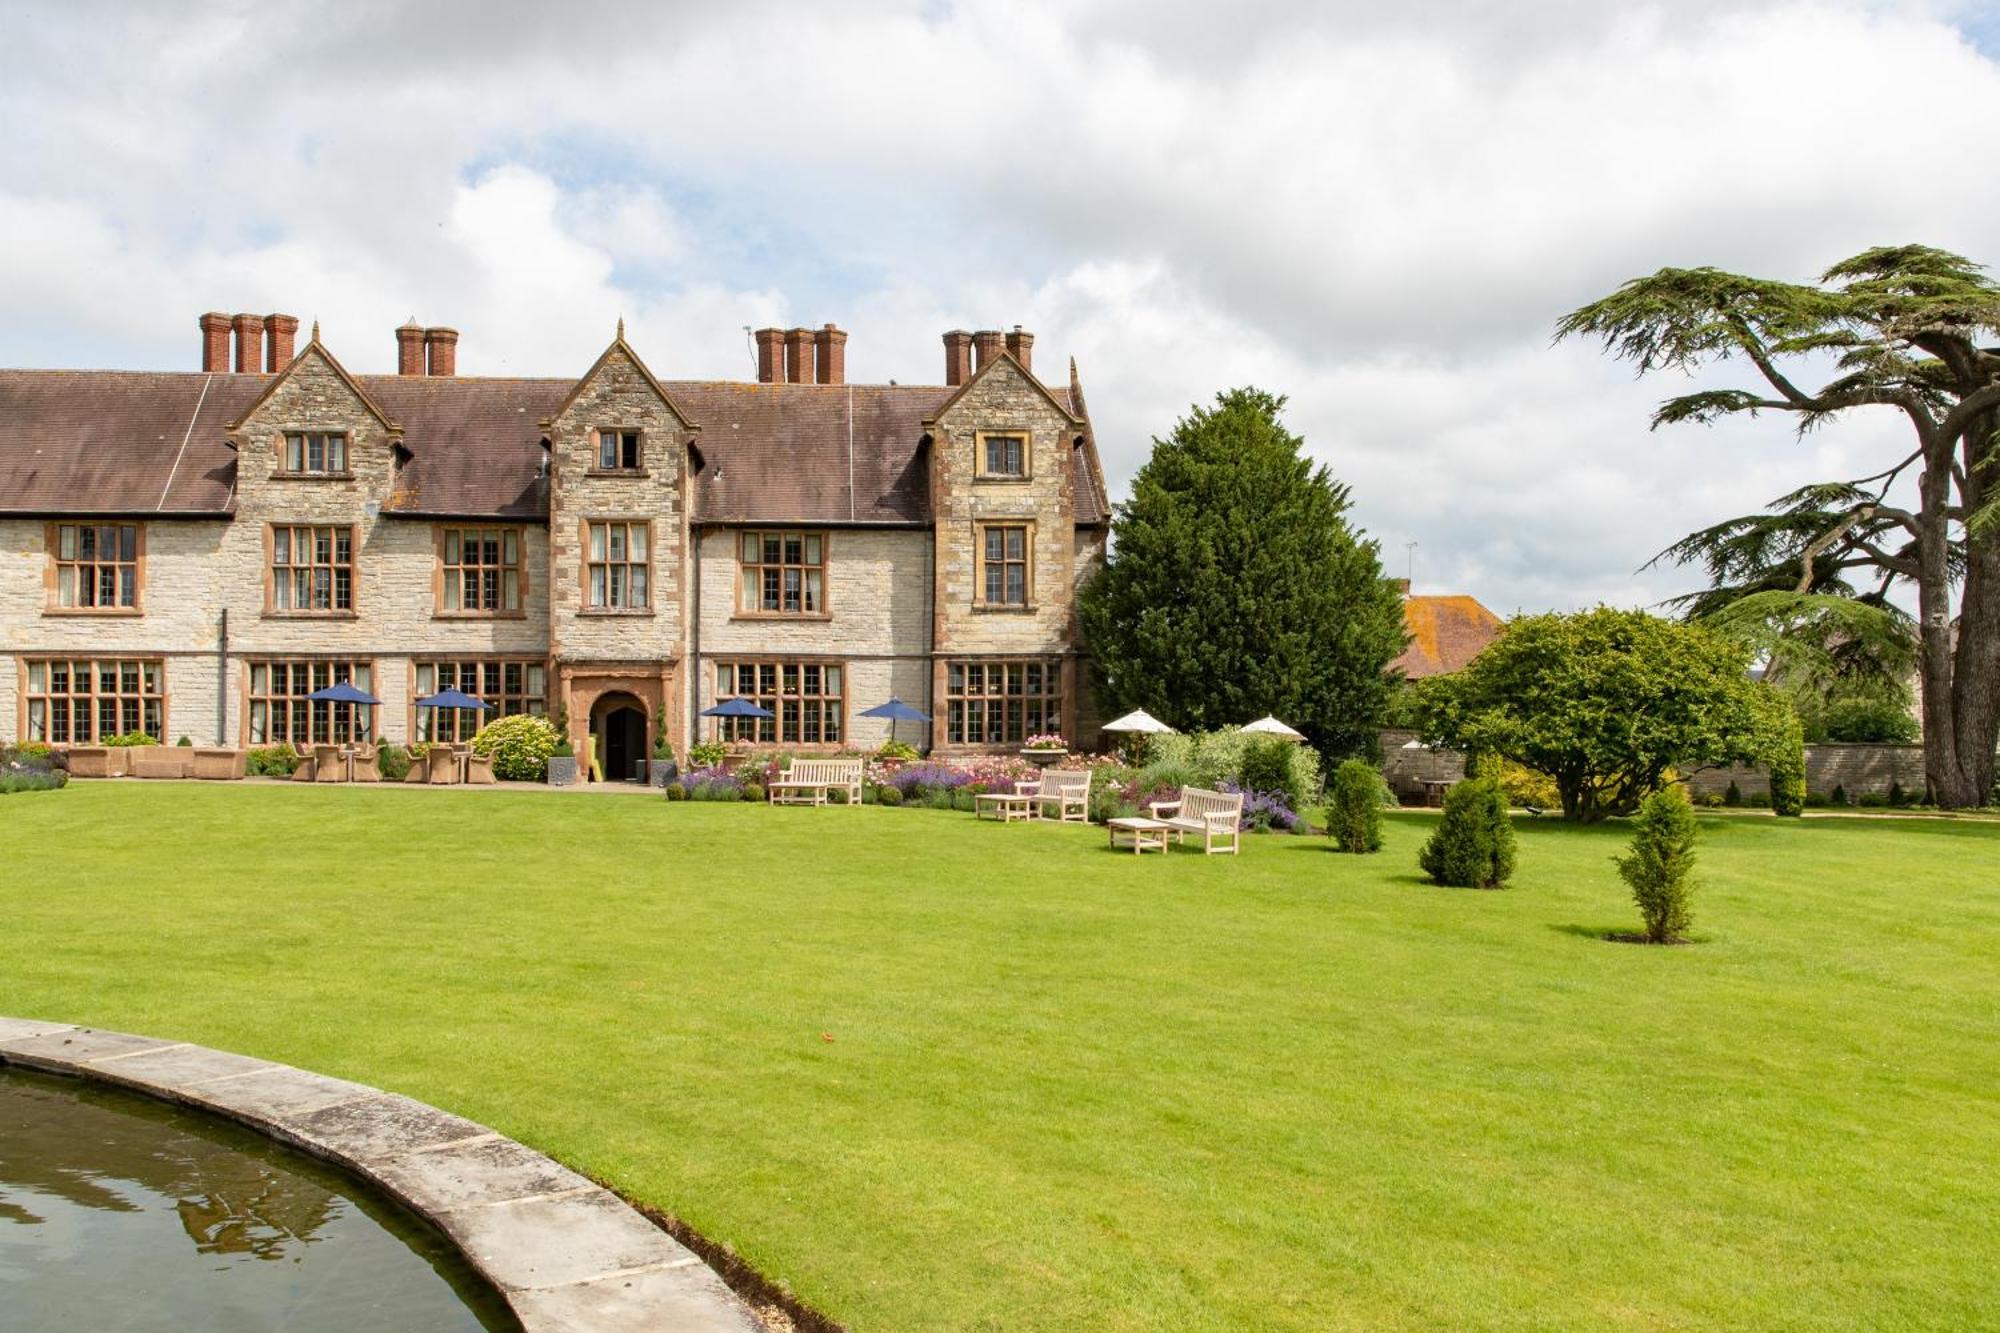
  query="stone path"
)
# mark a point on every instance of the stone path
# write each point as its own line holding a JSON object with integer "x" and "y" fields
{"x": 568, "y": 1255}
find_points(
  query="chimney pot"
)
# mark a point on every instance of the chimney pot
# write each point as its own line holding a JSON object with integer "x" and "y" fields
{"x": 280, "y": 332}
{"x": 441, "y": 349}
{"x": 770, "y": 355}
{"x": 249, "y": 343}
{"x": 830, "y": 345}
{"x": 799, "y": 356}
{"x": 1022, "y": 346}
{"x": 957, "y": 357}
{"x": 214, "y": 343}
{"x": 410, "y": 349}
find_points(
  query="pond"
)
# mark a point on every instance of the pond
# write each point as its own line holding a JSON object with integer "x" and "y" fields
{"x": 118, "y": 1211}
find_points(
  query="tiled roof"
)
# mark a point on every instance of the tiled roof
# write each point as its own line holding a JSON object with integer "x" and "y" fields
{"x": 98, "y": 441}
{"x": 1445, "y": 634}
{"x": 118, "y": 441}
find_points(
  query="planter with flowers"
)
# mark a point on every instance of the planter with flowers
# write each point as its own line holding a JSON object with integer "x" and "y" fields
{"x": 1045, "y": 749}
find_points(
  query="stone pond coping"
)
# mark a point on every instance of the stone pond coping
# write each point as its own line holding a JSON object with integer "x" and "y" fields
{"x": 566, "y": 1254}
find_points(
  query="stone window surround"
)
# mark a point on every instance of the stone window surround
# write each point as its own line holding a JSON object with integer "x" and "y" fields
{"x": 521, "y": 567}
{"x": 138, "y": 607}
{"x": 251, "y": 660}
{"x": 282, "y": 441}
{"x": 350, "y": 612}
{"x": 433, "y": 659}
{"x": 737, "y": 661}
{"x": 596, "y": 468}
{"x": 1058, "y": 686}
{"x": 825, "y": 567}
{"x": 1027, "y": 472}
{"x": 584, "y": 562}
{"x": 979, "y": 528}
{"x": 22, "y": 662}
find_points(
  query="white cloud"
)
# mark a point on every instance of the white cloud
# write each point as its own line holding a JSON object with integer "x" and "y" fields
{"x": 1378, "y": 210}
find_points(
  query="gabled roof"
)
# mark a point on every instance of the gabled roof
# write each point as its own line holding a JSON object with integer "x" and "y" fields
{"x": 1446, "y": 633}
{"x": 991, "y": 367}
{"x": 620, "y": 346}
{"x": 316, "y": 349}
{"x": 80, "y": 442}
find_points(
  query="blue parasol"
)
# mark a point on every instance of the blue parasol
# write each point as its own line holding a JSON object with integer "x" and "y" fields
{"x": 342, "y": 693}
{"x": 897, "y": 711}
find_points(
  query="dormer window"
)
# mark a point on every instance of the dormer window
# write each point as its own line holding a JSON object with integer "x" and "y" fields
{"x": 316, "y": 454}
{"x": 618, "y": 451}
{"x": 1003, "y": 455}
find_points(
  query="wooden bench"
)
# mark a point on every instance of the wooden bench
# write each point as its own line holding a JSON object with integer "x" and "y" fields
{"x": 1216, "y": 816}
{"x": 808, "y": 781}
{"x": 1068, "y": 790}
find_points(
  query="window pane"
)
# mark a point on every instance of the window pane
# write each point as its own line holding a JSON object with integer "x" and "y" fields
{"x": 128, "y": 543}
{"x": 451, "y": 590}
{"x": 618, "y": 539}
{"x": 66, "y": 542}
{"x": 66, "y": 585}
{"x": 597, "y": 540}
{"x": 597, "y": 585}
{"x": 1017, "y": 543}
{"x": 337, "y": 453}
{"x": 639, "y": 586}
{"x": 813, "y": 577}
{"x": 1017, "y": 585}
{"x": 638, "y": 541}
{"x": 511, "y": 590}
{"x": 812, "y": 549}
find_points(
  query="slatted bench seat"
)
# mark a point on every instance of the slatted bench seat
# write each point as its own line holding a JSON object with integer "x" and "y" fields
{"x": 1213, "y": 815}
{"x": 808, "y": 781}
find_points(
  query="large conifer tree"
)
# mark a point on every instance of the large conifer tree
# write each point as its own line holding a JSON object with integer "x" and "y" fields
{"x": 1237, "y": 587}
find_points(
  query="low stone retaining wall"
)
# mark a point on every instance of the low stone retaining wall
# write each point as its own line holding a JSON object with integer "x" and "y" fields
{"x": 1407, "y": 770}
{"x": 568, "y": 1255}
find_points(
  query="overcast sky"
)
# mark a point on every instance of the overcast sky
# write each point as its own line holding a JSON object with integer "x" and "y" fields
{"x": 1379, "y": 210}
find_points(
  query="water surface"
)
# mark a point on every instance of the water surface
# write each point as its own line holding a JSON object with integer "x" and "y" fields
{"x": 118, "y": 1212}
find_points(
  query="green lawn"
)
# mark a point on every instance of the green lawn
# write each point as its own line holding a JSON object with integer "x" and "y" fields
{"x": 1066, "y": 1089}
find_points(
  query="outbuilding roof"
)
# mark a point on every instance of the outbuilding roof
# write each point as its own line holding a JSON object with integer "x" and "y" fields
{"x": 1446, "y": 633}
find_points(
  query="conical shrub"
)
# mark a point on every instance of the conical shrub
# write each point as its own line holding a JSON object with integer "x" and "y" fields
{"x": 1661, "y": 864}
{"x": 1473, "y": 847}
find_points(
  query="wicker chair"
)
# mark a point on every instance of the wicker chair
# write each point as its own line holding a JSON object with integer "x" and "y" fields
{"x": 366, "y": 766}
{"x": 443, "y": 767}
{"x": 219, "y": 765}
{"x": 307, "y": 771}
{"x": 479, "y": 770}
{"x": 420, "y": 768}
{"x": 330, "y": 763}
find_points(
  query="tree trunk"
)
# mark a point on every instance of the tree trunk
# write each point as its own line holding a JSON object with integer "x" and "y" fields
{"x": 1975, "y": 675}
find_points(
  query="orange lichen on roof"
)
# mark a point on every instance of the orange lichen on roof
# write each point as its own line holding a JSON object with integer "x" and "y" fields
{"x": 1445, "y": 634}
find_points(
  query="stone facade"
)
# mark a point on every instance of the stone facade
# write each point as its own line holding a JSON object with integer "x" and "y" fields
{"x": 904, "y": 596}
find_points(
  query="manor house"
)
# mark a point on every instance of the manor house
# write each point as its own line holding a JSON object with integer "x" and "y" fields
{"x": 194, "y": 553}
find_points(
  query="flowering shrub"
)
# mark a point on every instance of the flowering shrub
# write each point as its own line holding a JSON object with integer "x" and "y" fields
{"x": 895, "y": 751}
{"x": 520, "y": 746}
{"x": 706, "y": 754}
{"x": 1047, "y": 740}
{"x": 126, "y": 740}
{"x": 29, "y": 767}
{"x": 1265, "y": 810}
{"x": 713, "y": 784}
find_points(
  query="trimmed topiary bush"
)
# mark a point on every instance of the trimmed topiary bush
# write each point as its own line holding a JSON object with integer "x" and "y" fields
{"x": 520, "y": 746}
{"x": 1354, "y": 801}
{"x": 1473, "y": 847}
{"x": 1661, "y": 862}
{"x": 128, "y": 740}
{"x": 393, "y": 761}
{"x": 1839, "y": 796}
{"x": 1734, "y": 796}
{"x": 754, "y": 792}
{"x": 1788, "y": 772}
{"x": 675, "y": 791}
{"x": 886, "y": 795}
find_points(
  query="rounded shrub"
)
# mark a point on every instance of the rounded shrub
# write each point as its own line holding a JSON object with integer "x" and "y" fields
{"x": 888, "y": 796}
{"x": 1354, "y": 801}
{"x": 1661, "y": 863}
{"x": 675, "y": 791}
{"x": 520, "y": 746}
{"x": 393, "y": 761}
{"x": 753, "y": 791}
{"x": 1473, "y": 847}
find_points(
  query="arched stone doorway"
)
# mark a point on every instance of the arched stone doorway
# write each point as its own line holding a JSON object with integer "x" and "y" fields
{"x": 618, "y": 729}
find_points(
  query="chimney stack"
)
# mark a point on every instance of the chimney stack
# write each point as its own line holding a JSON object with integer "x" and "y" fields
{"x": 986, "y": 345}
{"x": 410, "y": 349}
{"x": 249, "y": 343}
{"x": 441, "y": 349}
{"x": 1022, "y": 347}
{"x": 214, "y": 343}
{"x": 1402, "y": 587}
{"x": 957, "y": 357}
{"x": 770, "y": 355}
{"x": 799, "y": 356}
{"x": 830, "y": 344}
{"x": 280, "y": 331}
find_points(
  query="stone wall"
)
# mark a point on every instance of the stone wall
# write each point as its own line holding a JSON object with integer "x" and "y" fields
{"x": 877, "y": 624}
{"x": 1861, "y": 769}
{"x": 1407, "y": 770}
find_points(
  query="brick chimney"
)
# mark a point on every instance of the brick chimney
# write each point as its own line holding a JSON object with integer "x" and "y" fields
{"x": 957, "y": 357}
{"x": 799, "y": 356}
{"x": 1022, "y": 347}
{"x": 986, "y": 345}
{"x": 770, "y": 355}
{"x": 441, "y": 350}
{"x": 410, "y": 349}
{"x": 214, "y": 343}
{"x": 830, "y": 345}
{"x": 249, "y": 343}
{"x": 280, "y": 332}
